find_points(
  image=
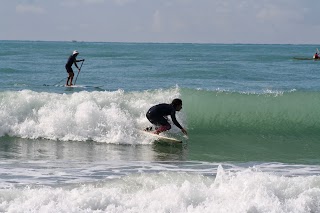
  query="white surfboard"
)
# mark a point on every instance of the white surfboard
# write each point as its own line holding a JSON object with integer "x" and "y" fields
{"x": 161, "y": 137}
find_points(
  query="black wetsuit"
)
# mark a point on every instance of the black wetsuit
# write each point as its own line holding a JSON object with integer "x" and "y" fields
{"x": 156, "y": 115}
{"x": 71, "y": 60}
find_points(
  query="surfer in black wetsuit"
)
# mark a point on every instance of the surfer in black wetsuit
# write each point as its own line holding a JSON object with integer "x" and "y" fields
{"x": 158, "y": 113}
{"x": 72, "y": 60}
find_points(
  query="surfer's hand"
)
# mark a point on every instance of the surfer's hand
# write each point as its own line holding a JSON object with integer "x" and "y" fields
{"x": 184, "y": 131}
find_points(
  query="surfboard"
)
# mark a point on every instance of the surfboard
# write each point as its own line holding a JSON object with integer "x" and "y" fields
{"x": 161, "y": 137}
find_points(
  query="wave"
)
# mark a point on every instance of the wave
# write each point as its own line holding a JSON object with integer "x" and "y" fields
{"x": 101, "y": 116}
{"x": 235, "y": 191}
{"x": 269, "y": 113}
{"x": 114, "y": 116}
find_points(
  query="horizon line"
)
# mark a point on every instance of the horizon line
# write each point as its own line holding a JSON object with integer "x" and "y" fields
{"x": 151, "y": 42}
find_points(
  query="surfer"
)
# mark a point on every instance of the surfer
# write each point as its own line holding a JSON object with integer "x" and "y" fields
{"x": 316, "y": 56}
{"x": 157, "y": 115}
{"x": 72, "y": 60}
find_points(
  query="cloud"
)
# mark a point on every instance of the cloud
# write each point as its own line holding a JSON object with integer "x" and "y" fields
{"x": 29, "y": 9}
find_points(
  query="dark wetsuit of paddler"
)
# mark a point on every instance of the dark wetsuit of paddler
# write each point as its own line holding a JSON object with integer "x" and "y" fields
{"x": 72, "y": 60}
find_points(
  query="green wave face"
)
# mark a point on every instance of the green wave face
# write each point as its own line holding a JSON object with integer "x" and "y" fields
{"x": 230, "y": 126}
{"x": 289, "y": 113}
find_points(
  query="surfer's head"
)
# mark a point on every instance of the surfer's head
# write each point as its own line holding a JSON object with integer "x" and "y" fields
{"x": 75, "y": 52}
{"x": 177, "y": 104}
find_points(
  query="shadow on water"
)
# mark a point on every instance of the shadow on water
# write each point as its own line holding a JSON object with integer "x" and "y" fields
{"x": 166, "y": 151}
{"x": 41, "y": 149}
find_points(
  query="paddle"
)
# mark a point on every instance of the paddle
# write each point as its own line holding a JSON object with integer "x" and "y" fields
{"x": 78, "y": 73}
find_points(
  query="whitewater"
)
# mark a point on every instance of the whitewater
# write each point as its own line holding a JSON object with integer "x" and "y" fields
{"x": 109, "y": 117}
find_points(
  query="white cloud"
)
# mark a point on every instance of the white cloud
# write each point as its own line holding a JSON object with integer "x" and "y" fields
{"x": 29, "y": 9}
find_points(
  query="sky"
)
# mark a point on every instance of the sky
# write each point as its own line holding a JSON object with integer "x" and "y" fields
{"x": 177, "y": 21}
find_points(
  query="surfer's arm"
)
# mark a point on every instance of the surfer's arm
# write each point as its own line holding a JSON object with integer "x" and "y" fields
{"x": 174, "y": 120}
{"x": 75, "y": 64}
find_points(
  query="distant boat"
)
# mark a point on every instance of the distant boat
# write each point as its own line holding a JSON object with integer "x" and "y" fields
{"x": 74, "y": 41}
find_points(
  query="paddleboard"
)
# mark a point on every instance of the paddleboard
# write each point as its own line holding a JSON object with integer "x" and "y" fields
{"x": 76, "y": 86}
{"x": 84, "y": 87}
{"x": 59, "y": 85}
{"x": 161, "y": 137}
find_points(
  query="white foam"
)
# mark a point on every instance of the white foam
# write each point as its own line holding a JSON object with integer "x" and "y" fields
{"x": 240, "y": 191}
{"x": 109, "y": 117}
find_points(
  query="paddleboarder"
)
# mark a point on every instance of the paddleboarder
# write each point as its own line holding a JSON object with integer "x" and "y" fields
{"x": 316, "y": 56}
{"x": 72, "y": 60}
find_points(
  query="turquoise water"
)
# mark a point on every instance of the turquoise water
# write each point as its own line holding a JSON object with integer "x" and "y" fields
{"x": 251, "y": 111}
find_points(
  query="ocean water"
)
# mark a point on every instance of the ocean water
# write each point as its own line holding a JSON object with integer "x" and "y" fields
{"x": 251, "y": 111}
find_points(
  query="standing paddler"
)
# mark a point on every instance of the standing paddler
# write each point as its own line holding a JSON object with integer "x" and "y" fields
{"x": 72, "y": 60}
